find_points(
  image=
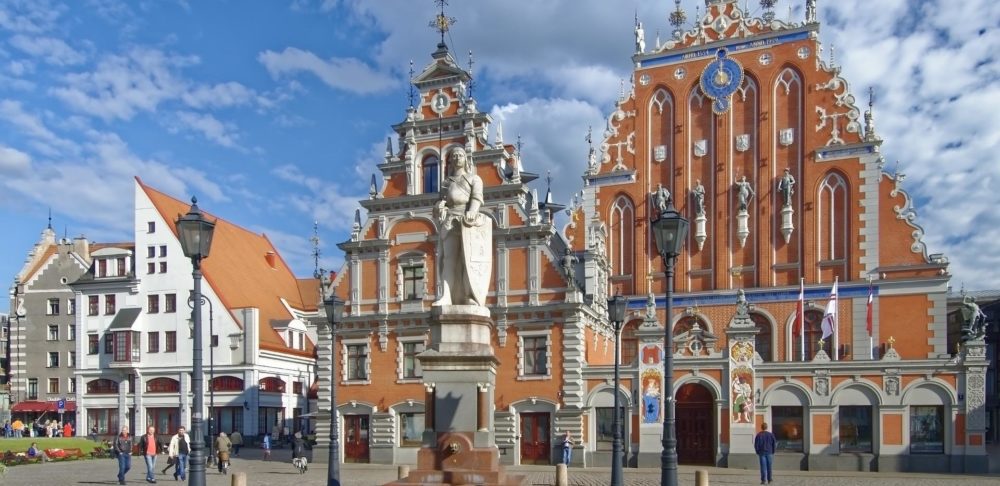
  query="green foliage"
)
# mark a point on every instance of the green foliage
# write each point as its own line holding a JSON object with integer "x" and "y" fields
{"x": 22, "y": 445}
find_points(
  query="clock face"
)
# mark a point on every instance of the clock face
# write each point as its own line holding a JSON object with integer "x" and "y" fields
{"x": 721, "y": 78}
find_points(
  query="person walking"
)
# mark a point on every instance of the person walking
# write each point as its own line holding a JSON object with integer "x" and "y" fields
{"x": 8, "y": 432}
{"x": 150, "y": 447}
{"x": 122, "y": 448}
{"x": 266, "y": 445}
{"x": 298, "y": 446}
{"x": 567, "y": 448}
{"x": 177, "y": 454}
{"x": 764, "y": 445}
{"x": 222, "y": 447}
{"x": 237, "y": 439}
{"x": 17, "y": 426}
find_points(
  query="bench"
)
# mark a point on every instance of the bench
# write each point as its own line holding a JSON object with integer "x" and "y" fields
{"x": 64, "y": 454}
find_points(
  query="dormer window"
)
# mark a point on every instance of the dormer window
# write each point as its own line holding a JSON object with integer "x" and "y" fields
{"x": 102, "y": 268}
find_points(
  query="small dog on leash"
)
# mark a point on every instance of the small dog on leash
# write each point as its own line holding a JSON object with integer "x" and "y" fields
{"x": 301, "y": 463}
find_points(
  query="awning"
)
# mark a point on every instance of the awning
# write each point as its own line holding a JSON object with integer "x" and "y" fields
{"x": 125, "y": 318}
{"x": 37, "y": 406}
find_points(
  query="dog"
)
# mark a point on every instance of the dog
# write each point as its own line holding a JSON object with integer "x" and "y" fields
{"x": 301, "y": 463}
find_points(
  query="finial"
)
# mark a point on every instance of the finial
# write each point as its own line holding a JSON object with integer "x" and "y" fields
{"x": 677, "y": 19}
{"x": 388, "y": 146}
{"x": 768, "y": 6}
{"x": 499, "y": 140}
{"x": 472, "y": 81}
{"x": 789, "y": 14}
{"x": 548, "y": 190}
{"x": 590, "y": 137}
{"x": 317, "y": 273}
{"x": 833, "y": 50}
{"x": 357, "y": 219}
{"x": 372, "y": 188}
{"x": 870, "y": 135}
{"x": 621, "y": 89}
{"x": 891, "y": 341}
{"x": 657, "y": 39}
{"x": 50, "y": 218}
{"x": 442, "y": 22}
{"x": 518, "y": 144}
{"x": 412, "y": 93}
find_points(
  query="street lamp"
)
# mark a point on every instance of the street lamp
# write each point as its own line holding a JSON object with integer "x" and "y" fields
{"x": 334, "y": 306}
{"x": 670, "y": 230}
{"x": 617, "y": 306}
{"x": 211, "y": 368}
{"x": 195, "y": 235}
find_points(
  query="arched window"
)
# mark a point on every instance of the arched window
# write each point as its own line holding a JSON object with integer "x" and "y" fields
{"x": 763, "y": 340}
{"x": 227, "y": 383}
{"x": 630, "y": 345}
{"x": 832, "y": 211}
{"x": 102, "y": 386}
{"x": 429, "y": 173}
{"x": 813, "y": 331}
{"x": 163, "y": 385}
{"x": 272, "y": 384}
{"x": 622, "y": 234}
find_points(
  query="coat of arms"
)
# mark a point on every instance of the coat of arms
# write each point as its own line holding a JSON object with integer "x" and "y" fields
{"x": 660, "y": 153}
{"x": 742, "y": 143}
{"x": 787, "y": 136}
{"x": 700, "y": 148}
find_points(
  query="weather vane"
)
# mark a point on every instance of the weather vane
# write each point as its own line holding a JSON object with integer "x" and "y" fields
{"x": 442, "y": 22}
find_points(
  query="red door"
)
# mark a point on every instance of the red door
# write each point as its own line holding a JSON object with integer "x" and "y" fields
{"x": 355, "y": 438}
{"x": 695, "y": 410}
{"x": 535, "y": 448}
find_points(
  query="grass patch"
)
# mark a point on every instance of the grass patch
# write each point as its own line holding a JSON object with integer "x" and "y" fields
{"x": 22, "y": 445}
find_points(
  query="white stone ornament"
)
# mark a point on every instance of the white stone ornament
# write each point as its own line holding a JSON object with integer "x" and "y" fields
{"x": 660, "y": 153}
{"x": 765, "y": 59}
{"x": 787, "y": 136}
{"x": 645, "y": 79}
{"x": 679, "y": 73}
{"x": 787, "y": 226}
{"x": 804, "y": 52}
{"x": 742, "y": 143}
{"x": 700, "y": 148}
{"x": 700, "y": 232}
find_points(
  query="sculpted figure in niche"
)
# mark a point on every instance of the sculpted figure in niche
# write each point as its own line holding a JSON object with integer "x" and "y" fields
{"x": 699, "y": 198}
{"x": 744, "y": 193}
{"x": 786, "y": 186}
{"x": 466, "y": 236}
{"x": 661, "y": 197}
{"x": 975, "y": 319}
{"x": 569, "y": 266}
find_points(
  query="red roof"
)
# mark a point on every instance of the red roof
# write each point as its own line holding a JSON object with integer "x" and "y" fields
{"x": 37, "y": 406}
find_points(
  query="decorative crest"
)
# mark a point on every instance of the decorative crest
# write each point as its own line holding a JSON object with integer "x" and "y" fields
{"x": 677, "y": 19}
{"x": 768, "y": 6}
{"x": 442, "y": 22}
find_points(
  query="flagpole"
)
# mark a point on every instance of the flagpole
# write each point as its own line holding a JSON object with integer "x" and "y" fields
{"x": 836, "y": 321}
{"x": 802, "y": 318}
{"x": 870, "y": 311}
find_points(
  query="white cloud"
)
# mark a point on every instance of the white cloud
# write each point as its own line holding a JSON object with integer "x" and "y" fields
{"x": 13, "y": 162}
{"x": 208, "y": 126}
{"x": 324, "y": 201}
{"x": 30, "y": 16}
{"x": 346, "y": 74}
{"x": 49, "y": 49}
{"x": 42, "y": 138}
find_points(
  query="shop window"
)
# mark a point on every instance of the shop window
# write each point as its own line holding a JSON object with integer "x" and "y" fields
{"x": 411, "y": 429}
{"x": 926, "y": 429}
{"x": 605, "y": 426}
{"x": 855, "y": 428}
{"x": 787, "y": 425}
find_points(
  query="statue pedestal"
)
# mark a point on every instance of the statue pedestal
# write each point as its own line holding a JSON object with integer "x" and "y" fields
{"x": 787, "y": 226}
{"x": 700, "y": 235}
{"x": 742, "y": 226}
{"x": 459, "y": 373}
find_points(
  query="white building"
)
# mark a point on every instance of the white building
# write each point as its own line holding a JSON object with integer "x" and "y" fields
{"x": 135, "y": 343}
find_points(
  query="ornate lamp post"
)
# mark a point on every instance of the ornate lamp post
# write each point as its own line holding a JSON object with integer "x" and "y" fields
{"x": 334, "y": 306}
{"x": 195, "y": 235}
{"x": 211, "y": 369}
{"x": 617, "y": 306}
{"x": 670, "y": 230}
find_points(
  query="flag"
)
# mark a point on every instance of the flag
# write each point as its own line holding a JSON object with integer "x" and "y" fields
{"x": 868, "y": 319}
{"x": 801, "y": 309}
{"x": 830, "y": 317}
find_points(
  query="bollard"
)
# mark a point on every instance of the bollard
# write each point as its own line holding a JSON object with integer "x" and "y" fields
{"x": 562, "y": 475}
{"x": 404, "y": 471}
{"x": 239, "y": 479}
{"x": 701, "y": 477}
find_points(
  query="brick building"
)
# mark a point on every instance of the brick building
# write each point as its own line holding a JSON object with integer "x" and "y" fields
{"x": 715, "y": 116}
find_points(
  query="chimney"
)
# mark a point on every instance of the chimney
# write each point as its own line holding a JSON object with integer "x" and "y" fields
{"x": 270, "y": 258}
{"x": 82, "y": 247}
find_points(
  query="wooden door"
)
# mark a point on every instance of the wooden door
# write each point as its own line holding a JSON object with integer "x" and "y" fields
{"x": 355, "y": 438}
{"x": 695, "y": 425}
{"x": 535, "y": 438}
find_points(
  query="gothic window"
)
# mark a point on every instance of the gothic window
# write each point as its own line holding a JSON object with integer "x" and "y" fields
{"x": 763, "y": 339}
{"x": 813, "y": 331}
{"x": 429, "y": 174}
{"x": 622, "y": 220}
{"x": 832, "y": 211}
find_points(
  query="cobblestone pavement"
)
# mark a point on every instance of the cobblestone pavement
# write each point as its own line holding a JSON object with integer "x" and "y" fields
{"x": 279, "y": 472}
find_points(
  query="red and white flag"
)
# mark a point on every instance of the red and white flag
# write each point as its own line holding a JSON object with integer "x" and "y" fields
{"x": 868, "y": 319}
{"x": 830, "y": 317}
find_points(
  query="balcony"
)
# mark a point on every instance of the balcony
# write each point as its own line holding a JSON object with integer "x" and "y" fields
{"x": 126, "y": 352}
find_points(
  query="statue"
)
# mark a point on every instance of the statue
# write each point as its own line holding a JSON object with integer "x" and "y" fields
{"x": 810, "y": 11}
{"x": 466, "y": 236}
{"x": 661, "y": 197}
{"x": 745, "y": 193}
{"x": 742, "y": 306}
{"x": 640, "y": 38}
{"x": 975, "y": 320}
{"x": 569, "y": 266}
{"x": 592, "y": 161}
{"x": 786, "y": 186}
{"x": 699, "y": 198}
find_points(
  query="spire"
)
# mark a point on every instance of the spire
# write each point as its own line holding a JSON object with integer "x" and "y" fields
{"x": 412, "y": 93}
{"x": 870, "y": 135}
{"x": 472, "y": 82}
{"x": 548, "y": 190}
{"x": 591, "y": 156}
{"x": 768, "y": 6}
{"x": 499, "y": 138}
{"x": 50, "y": 219}
{"x": 317, "y": 272}
{"x": 373, "y": 188}
{"x": 442, "y": 23}
{"x": 677, "y": 19}
{"x": 388, "y": 147}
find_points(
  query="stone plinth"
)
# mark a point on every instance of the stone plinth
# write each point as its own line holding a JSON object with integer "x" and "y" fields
{"x": 459, "y": 373}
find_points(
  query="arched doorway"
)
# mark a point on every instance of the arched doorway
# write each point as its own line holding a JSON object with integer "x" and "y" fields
{"x": 695, "y": 425}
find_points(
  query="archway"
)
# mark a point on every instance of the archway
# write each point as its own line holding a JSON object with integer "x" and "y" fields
{"x": 695, "y": 423}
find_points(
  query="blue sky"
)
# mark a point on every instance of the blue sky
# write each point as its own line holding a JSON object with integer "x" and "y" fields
{"x": 274, "y": 113}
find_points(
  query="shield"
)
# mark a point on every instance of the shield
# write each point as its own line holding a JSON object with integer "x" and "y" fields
{"x": 742, "y": 143}
{"x": 700, "y": 148}
{"x": 477, "y": 250}
{"x": 787, "y": 136}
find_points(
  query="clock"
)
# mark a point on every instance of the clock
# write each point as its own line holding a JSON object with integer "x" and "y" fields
{"x": 720, "y": 79}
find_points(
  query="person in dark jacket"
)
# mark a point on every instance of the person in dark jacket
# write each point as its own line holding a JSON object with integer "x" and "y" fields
{"x": 122, "y": 448}
{"x": 150, "y": 446}
{"x": 298, "y": 446}
{"x": 764, "y": 445}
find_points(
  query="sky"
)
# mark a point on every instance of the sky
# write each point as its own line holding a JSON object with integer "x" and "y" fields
{"x": 275, "y": 113}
